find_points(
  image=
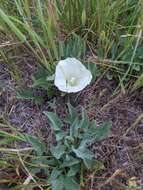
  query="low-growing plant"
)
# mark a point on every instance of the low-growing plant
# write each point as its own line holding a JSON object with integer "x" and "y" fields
{"x": 71, "y": 155}
{"x": 66, "y": 159}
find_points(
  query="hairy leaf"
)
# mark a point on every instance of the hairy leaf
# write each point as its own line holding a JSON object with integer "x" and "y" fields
{"x": 71, "y": 184}
{"x": 73, "y": 170}
{"x": 102, "y": 131}
{"x": 25, "y": 94}
{"x": 36, "y": 143}
{"x": 83, "y": 153}
{"x": 58, "y": 183}
{"x": 56, "y": 122}
{"x": 58, "y": 151}
{"x": 70, "y": 118}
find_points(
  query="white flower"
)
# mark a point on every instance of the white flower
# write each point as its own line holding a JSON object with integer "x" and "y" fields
{"x": 71, "y": 75}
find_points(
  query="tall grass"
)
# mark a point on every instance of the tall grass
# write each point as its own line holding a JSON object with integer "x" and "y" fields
{"x": 34, "y": 26}
{"x": 108, "y": 27}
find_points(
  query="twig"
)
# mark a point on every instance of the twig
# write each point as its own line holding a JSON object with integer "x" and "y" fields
{"x": 118, "y": 172}
{"x": 14, "y": 150}
{"x": 112, "y": 101}
{"x": 29, "y": 174}
{"x": 133, "y": 126}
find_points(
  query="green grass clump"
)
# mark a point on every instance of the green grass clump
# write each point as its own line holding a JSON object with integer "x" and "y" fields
{"x": 110, "y": 30}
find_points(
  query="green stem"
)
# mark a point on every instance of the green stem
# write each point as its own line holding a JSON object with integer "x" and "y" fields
{"x": 81, "y": 175}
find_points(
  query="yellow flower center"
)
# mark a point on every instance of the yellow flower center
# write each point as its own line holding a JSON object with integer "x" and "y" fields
{"x": 73, "y": 81}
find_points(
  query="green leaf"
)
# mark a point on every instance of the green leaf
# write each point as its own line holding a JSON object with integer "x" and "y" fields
{"x": 39, "y": 162}
{"x": 83, "y": 153}
{"x": 95, "y": 133}
{"x": 50, "y": 91}
{"x": 42, "y": 72}
{"x": 36, "y": 143}
{"x": 58, "y": 183}
{"x": 60, "y": 136}
{"x": 138, "y": 83}
{"x": 69, "y": 138}
{"x": 40, "y": 83}
{"x": 93, "y": 124}
{"x": 109, "y": 75}
{"x": 71, "y": 184}
{"x": 56, "y": 122}
{"x": 70, "y": 161}
{"x": 72, "y": 114}
{"x": 12, "y": 26}
{"x": 89, "y": 135}
{"x": 136, "y": 67}
{"x": 25, "y": 94}
{"x": 39, "y": 100}
{"x": 83, "y": 17}
{"x": 3, "y": 163}
{"x": 40, "y": 78}
{"x": 139, "y": 52}
{"x": 58, "y": 151}
{"x": 88, "y": 163}
{"x": 85, "y": 120}
{"x": 44, "y": 161}
{"x": 97, "y": 166}
{"x": 75, "y": 46}
{"x": 72, "y": 111}
{"x": 12, "y": 137}
{"x": 93, "y": 69}
{"x": 102, "y": 131}
{"x": 74, "y": 129}
{"x": 73, "y": 170}
{"x": 50, "y": 78}
{"x": 6, "y": 141}
{"x": 55, "y": 174}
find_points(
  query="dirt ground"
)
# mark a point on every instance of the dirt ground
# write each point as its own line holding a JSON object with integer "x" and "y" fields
{"x": 121, "y": 152}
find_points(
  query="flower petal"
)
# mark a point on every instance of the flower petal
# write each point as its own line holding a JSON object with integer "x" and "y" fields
{"x": 68, "y": 69}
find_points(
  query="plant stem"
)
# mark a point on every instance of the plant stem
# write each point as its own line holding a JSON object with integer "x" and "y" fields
{"x": 81, "y": 176}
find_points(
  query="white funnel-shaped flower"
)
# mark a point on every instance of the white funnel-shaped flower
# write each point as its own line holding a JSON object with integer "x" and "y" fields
{"x": 71, "y": 75}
